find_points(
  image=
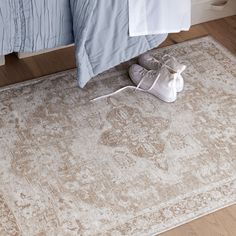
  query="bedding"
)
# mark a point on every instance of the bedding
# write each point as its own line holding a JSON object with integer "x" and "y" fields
{"x": 101, "y": 31}
{"x": 34, "y": 25}
{"x": 158, "y": 16}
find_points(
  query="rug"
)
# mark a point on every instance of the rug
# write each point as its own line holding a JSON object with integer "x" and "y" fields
{"x": 125, "y": 165}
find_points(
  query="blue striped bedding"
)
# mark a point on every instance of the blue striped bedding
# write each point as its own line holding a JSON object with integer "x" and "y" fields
{"x": 33, "y": 25}
{"x": 99, "y": 29}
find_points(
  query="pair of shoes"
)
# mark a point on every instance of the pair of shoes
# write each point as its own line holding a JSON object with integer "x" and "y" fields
{"x": 150, "y": 62}
{"x": 161, "y": 78}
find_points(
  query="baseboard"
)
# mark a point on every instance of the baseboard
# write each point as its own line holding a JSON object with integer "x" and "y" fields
{"x": 2, "y": 60}
{"x": 207, "y": 10}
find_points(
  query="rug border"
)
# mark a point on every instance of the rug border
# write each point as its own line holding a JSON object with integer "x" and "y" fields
{"x": 155, "y": 232}
{"x": 207, "y": 38}
{"x": 194, "y": 219}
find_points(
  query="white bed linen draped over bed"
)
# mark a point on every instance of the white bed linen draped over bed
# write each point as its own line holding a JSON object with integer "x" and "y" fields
{"x": 147, "y": 17}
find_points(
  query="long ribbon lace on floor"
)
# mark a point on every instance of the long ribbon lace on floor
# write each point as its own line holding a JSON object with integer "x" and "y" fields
{"x": 137, "y": 88}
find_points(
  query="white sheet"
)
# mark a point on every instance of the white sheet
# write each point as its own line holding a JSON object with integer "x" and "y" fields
{"x": 147, "y": 17}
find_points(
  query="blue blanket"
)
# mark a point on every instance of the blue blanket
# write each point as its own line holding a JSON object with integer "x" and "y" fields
{"x": 98, "y": 28}
{"x": 101, "y": 30}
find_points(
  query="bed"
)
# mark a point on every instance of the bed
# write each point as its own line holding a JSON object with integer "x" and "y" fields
{"x": 99, "y": 29}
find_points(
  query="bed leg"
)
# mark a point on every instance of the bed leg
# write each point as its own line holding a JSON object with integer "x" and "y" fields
{"x": 2, "y": 60}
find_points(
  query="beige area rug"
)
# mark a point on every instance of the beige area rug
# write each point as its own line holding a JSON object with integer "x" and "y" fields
{"x": 126, "y": 165}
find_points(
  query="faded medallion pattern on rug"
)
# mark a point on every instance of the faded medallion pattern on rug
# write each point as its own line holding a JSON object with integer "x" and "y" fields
{"x": 125, "y": 165}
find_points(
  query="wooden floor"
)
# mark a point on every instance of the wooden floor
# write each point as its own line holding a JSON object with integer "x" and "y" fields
{"x": 221, "y": 223}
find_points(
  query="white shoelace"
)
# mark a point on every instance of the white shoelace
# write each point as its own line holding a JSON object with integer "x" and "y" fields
{"x": 164, "y": 62}
{"x": 137, "y": 88}
{"x": 114, "y": 93}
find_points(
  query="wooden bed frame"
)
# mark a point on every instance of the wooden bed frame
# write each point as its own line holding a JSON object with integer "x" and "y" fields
{"x": 25, "y": 55}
